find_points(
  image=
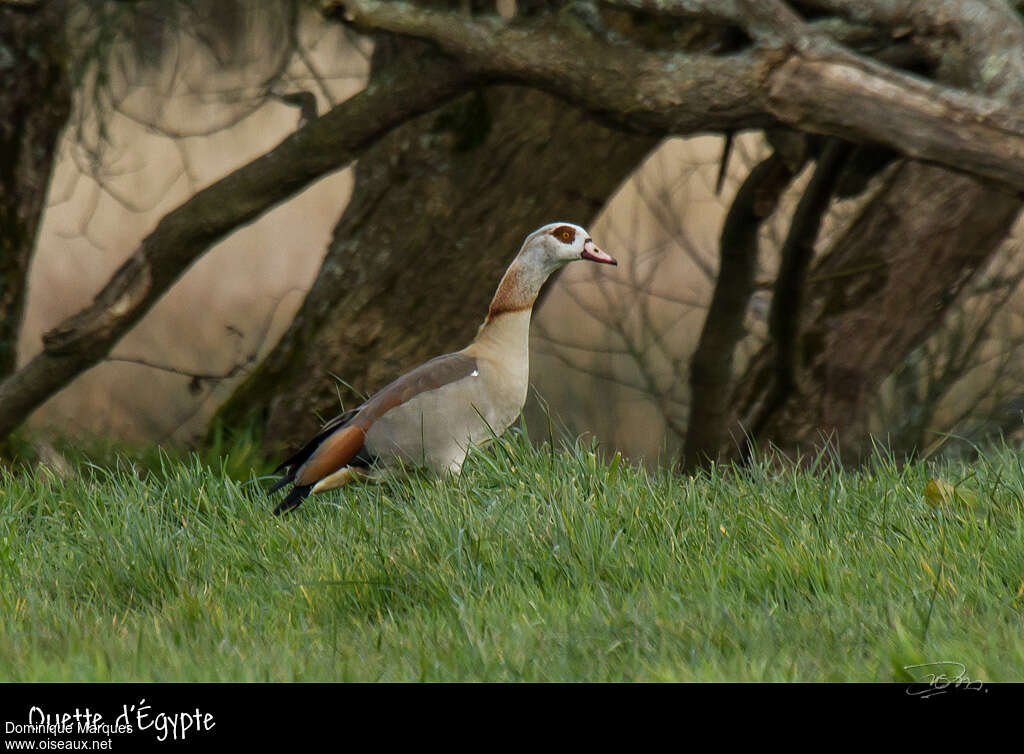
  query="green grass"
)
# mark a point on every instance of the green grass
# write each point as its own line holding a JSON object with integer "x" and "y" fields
{"x": 534, "y": 565}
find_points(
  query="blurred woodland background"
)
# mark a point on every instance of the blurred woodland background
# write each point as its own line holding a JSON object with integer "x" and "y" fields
{"x": 814, "y": 206}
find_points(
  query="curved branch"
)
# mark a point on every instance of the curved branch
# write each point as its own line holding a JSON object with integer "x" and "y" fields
{"x": 637, "y": 90}
{"x": 183, "y": 235}
{"x": 711, "y": 364}
{"x": 788, "y": 297}
{"x": 814, "y": 86}
{"x": 797, "y": 253}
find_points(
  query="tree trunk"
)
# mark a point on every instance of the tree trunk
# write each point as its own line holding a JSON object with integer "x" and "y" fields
{"x": 712, "y": 362}
{"x": 35, "y": 102}
{"x": 888, "y": 281}
{"x": 440, "y": 207}
{"x": 883, "y": 287}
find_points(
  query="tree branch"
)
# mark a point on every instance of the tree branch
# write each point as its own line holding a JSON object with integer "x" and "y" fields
{"x": 182, "y": 236}
{"x": 788, "y": 297}
{"x": 796, "y": 255}
{"x": 814, "y": 86}
{"x": 638, "y": 90}
{"x": 711, "y": 364}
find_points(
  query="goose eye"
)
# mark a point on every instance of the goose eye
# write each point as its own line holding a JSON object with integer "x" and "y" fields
{"x": 564, "y": 233}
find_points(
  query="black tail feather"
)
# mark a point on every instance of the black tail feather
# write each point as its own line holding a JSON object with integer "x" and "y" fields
{"x": 299, "y": 457}
{"x": 282, "y": 481}
{"x": 294, "y": 463}
{"x": 294, "y": 499}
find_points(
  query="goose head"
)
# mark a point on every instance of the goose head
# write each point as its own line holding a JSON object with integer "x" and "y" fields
{"x": 543, "y": 252}
{"x": 556, "y": 244}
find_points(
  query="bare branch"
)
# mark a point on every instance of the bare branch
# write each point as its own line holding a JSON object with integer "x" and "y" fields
{"x": 711, "y": 365}
{"x": 990, "y": 35}
{"x": 788, "y": 297}
{"x": 727, "y": 11}
{"x": 812, "y": 84}
{"x": 660, "y": 91}
{"x": 182, "y": 236}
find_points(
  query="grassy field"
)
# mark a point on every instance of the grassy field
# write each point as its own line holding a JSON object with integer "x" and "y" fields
{"x": 533, "y": 566}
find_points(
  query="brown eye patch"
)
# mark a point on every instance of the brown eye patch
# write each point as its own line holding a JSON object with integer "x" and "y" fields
{"x": 564, "y": 233}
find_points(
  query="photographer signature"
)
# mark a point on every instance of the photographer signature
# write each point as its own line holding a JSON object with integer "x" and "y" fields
{"x": 941, "y": 677}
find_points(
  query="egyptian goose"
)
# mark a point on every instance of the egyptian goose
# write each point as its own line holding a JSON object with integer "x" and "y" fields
{"x": 434, "y": 414}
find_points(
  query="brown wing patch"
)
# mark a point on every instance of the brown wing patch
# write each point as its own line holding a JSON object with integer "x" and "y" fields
{"x": 339, "y": 447}
{"x": 432, "y": 375}
{"x": 334, "y": 452}
{"x": 564, "y": 233}
{"x": 298, "y": 458}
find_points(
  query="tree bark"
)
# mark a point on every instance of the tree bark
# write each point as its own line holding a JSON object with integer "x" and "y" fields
{"x": 889, "y": 280}
{"x": 712, "y": 362}
{"x": 356, "y": 320}
{"x": 439, "y": 209}
{"x": 328, "y": 143}
{"x": 35, "y": 100}
{"x": 795, "y": 76}
{"x": 885, "y": 284}
{"x": 428, "y": 217}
